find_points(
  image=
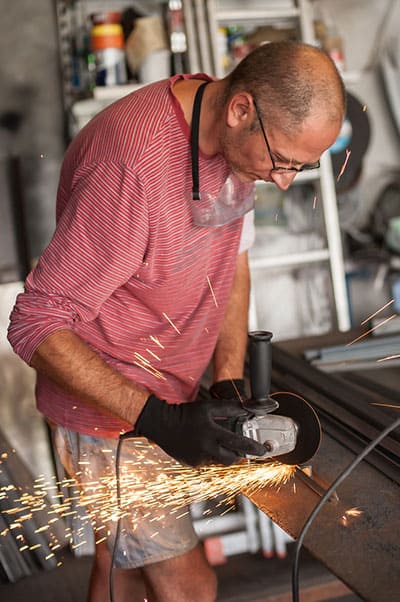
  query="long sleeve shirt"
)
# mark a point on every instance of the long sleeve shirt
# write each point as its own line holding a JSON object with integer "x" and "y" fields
{"x": 126, "y": 269}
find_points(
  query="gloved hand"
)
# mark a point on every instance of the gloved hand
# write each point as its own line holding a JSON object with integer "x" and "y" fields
{"x": 188, "y": 433}
{"x": 229, "y": 389}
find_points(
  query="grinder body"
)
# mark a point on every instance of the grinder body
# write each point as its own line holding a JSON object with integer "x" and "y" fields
{"x": 277, "y": 433}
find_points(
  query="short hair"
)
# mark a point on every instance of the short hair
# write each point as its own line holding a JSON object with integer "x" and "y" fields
{"x": 289, "y": 79}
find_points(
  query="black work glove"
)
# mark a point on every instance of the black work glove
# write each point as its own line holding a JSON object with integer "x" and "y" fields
{"x": 188, "y": 433}
{"x": 229, "y": 389}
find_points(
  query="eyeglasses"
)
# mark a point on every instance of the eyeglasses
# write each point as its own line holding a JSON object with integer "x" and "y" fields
{"x": 278, "y": 169}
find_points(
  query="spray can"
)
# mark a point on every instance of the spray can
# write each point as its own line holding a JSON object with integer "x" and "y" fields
{"x": 107, "y": 44}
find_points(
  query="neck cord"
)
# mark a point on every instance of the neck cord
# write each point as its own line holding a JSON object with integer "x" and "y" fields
{"x": 194, "y": 140}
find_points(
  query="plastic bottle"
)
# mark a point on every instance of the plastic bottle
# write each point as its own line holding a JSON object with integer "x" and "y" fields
{"x": 107, "y": 44}
{"x": 177, "y": 37}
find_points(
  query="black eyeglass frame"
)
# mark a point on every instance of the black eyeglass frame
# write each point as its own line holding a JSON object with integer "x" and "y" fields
{"x": 281, "y": 170}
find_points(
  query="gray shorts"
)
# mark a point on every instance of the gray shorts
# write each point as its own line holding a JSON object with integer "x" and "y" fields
{"x": 149, "y": 531}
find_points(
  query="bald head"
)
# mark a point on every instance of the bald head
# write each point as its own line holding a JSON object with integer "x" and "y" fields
{"x": 292, "y": 82}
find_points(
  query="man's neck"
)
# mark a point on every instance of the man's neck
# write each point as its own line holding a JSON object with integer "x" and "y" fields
{"x": 212, "y": 113}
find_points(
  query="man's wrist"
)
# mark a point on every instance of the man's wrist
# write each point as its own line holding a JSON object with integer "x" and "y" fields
{"x": 233, "y": 388}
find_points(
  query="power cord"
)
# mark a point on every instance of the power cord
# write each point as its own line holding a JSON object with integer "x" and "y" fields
{"x": 342, "y": 476}
{"x": 118, "y": 529}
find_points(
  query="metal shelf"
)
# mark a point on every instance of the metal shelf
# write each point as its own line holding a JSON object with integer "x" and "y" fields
{"x": 290, "y": 260}
{"x": 243, "y": 15}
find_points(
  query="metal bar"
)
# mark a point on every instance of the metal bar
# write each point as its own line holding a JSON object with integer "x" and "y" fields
{"x": 202, "y": 30}
{"x": 291, "y": 259}
{"x": 306, "y": 21}
{"x": 366, "y": 344}
{"x": 354, "y": 430}
{"x": 356, "y": 444}
{"x": 18, "y": 216}
{"x": 14, "y": 564}
{"x": 192, "y": 41}
{"x": 261, "y": 14}
{"x": 332, "y": 228}
{"x": 205, "y": 527}
{"x": 370, "y": 568}
{"x": 352, "y": 364}
{"x": 362, "y": 389}
{"x": 388, "y": 394}
{"x": 213, "y": 33}
{"x": 338, "y": 397}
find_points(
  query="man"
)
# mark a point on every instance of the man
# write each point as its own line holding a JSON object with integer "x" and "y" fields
{"x": 146, "y": 279}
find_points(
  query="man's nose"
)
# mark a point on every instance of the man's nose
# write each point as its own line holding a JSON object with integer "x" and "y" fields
{"x": 283, "y": 180}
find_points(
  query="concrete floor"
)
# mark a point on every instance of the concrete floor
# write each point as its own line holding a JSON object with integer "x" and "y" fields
{"x": 243, "y": 578}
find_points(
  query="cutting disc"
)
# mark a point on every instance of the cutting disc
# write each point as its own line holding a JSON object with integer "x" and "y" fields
{"x": 309, "y": 433}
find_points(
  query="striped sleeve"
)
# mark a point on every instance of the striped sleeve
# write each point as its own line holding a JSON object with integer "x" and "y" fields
{"x": 248, "y": 232}
{"x": 99, "y": 243}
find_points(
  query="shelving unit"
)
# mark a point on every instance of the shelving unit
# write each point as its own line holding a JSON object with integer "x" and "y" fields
{"x": 72, "y": 16}
{"x": 210, "y": 16}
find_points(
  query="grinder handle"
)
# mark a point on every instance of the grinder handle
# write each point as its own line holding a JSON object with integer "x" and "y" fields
{"x": 260, "y": 360}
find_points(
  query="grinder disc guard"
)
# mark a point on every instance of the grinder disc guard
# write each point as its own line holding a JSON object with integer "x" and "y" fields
{"x": 309, "y": 433}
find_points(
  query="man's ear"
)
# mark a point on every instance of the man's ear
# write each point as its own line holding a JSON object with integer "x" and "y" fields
{"x": 240, "y": 109}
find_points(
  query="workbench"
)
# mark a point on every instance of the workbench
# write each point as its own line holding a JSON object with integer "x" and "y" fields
{"x": 363, "y": 551}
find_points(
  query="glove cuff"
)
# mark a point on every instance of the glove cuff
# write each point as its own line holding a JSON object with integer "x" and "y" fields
{"x": 150, "y": 412}
{"x": 229, "y": 389}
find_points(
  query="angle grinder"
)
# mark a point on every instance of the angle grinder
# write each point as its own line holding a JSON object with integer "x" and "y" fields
{"x": 285, "y": 424}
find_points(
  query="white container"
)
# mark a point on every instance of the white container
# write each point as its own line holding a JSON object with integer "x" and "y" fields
{"x": 110, "y": 67}
{"x": 155, "y": 66}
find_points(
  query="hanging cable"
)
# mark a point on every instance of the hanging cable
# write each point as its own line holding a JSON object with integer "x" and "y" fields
{"x": 342, "y": 476}
{"x": 118, "y": 529}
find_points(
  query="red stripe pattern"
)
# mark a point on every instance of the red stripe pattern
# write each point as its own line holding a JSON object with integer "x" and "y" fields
{"x": 126, "y": 269}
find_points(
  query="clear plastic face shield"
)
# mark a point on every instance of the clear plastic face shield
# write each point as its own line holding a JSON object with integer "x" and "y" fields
{"x": 234, "y": 199}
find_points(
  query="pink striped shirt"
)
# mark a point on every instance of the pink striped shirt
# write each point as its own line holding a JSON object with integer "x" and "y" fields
{"x": 126, "y": 269}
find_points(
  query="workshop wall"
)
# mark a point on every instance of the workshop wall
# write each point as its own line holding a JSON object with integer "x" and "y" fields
{"x": 30, "y": 89}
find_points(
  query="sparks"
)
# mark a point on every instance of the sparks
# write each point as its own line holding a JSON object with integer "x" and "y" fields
{"x": 377, "y": 312}
{"x": 173, "y": 487}
{"x": 156, "y": 357}
{"x": 388, "y": 357}
{"x": 146, "y": 365}
{"x": 171, "y": 322}
{"x": 386, "y": 405}
{"x": 236, "y": 391}
{"x": 156, "y": 341}
{"x": 348, "y": 153}
{"x": 372, "y": 329}
{"x": 349, "y": 514}
{"x": 212, "y": 292}
{"x": 235, "y": 387}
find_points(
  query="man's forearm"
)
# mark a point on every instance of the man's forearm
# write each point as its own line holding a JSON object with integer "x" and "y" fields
{"x": 64, "y": 358}
{"x": 230, "y": 351}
